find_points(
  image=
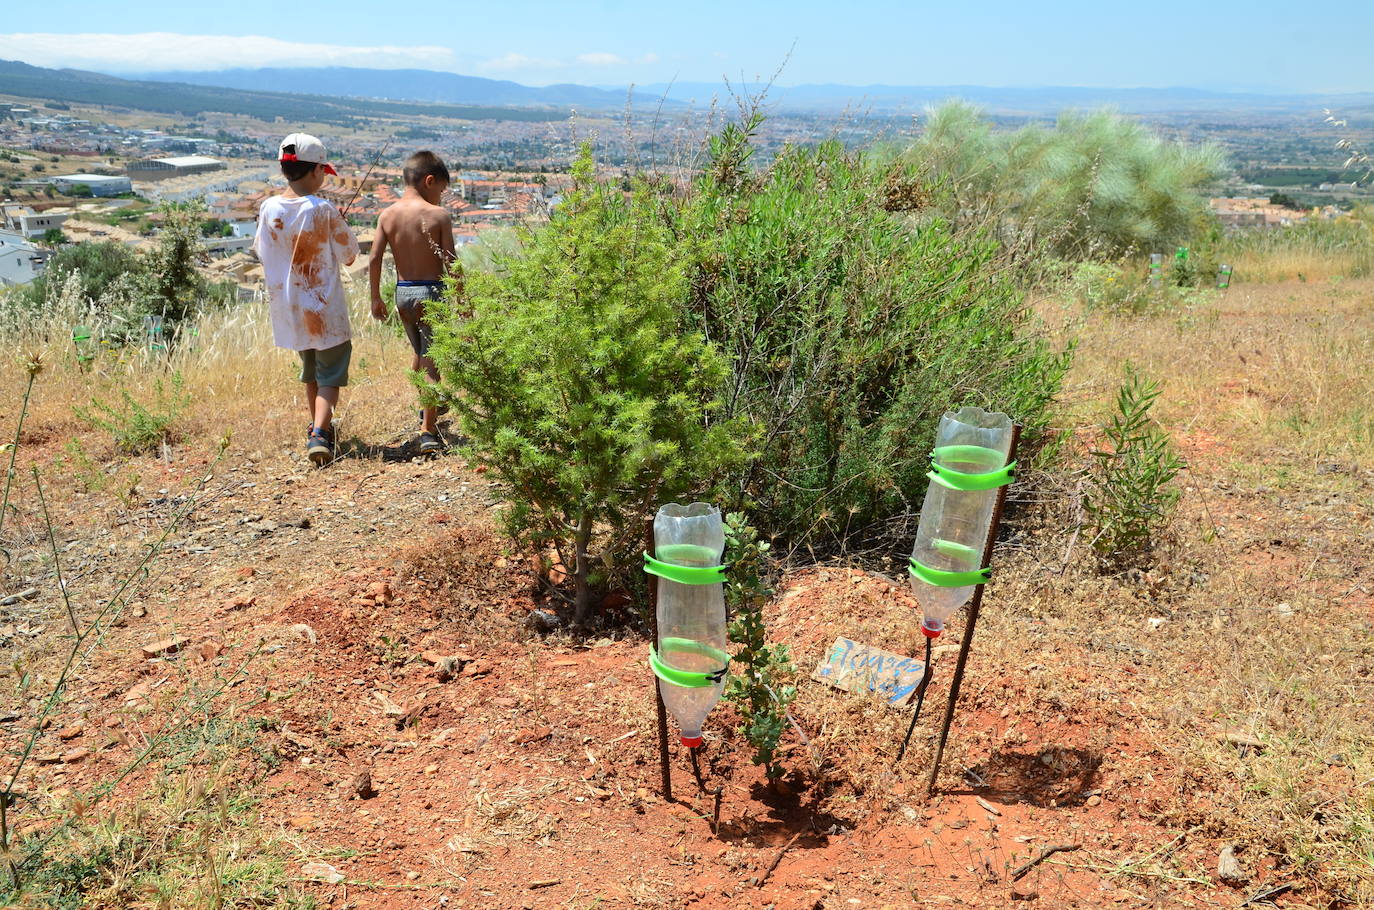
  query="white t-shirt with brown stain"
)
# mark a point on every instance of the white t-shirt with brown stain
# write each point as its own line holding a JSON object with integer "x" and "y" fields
{"x": 302, "y": 242}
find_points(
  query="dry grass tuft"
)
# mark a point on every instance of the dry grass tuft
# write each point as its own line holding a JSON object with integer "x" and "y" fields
{"x": 238, "y": 381}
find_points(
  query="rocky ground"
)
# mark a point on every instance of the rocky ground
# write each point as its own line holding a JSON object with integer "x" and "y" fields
{"x": 351, "y": 649}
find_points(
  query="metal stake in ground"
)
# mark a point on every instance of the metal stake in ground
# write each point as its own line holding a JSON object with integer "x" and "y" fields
{"x": 972, "y": 623}
{"x": 920, "y": 700}
{"x": 652, "y": 581}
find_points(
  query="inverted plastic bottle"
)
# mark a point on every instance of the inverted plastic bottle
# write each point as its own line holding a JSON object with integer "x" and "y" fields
{"x": 691, "y": 617}
{"x": 954, "y": 522}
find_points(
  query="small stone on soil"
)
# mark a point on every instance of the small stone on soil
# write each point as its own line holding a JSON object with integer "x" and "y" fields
{"x": 164, "y": 646}
{"x": 1229, "y": 869}
{"x": 361, "y": 785}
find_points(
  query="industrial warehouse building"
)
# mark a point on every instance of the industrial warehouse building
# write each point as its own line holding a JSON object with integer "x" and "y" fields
{"x": 99, "y": 184}
{"x": 181, "y": 166}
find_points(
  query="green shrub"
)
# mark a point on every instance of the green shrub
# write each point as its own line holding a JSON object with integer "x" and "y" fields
{"x": 1115, "y": 288}
{"x": 137, "y": 427}
{"x": 1095, "y": 185}
{"x": 96, "y": 264}
{"x": 170, "y": 266}
{"x": 759, "y": 682}
{"x": 849, "y": 329}
{"x": 118, "y": 286}
{"x": 578, "y": 383}
{"x": 1129, "y": 500}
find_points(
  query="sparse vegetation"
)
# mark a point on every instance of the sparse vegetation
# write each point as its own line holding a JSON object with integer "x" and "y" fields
{"x": 761, "y": 683}
{"x": 1311, "y": 251}
{"x": 1130, "y": 498}
{"x": 135, "y": 426}
{"x": 1258, "y": 604}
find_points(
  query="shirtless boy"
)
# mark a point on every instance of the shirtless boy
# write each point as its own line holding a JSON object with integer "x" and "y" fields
{"x": 419, "y": 232}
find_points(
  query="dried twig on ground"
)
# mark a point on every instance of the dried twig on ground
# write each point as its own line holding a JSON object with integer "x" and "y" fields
{"x": 1045, "y": 854}
{"x": 777, "y": 859}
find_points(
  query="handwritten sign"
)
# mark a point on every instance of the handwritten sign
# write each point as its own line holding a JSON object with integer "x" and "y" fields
{"x": 855, "y": 667}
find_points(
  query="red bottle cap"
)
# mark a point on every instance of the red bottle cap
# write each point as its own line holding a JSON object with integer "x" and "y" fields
{"x": 692, "y": 742}
{"x": 929, "y": 632}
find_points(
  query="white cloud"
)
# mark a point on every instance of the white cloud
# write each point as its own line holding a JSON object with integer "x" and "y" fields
{"x": 648, "y": 58}
{"x": 513, "y": 61}
{"x": 601, "y": 59}
{"x": 167, "y": 51}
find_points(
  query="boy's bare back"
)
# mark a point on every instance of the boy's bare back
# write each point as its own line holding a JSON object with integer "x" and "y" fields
{"x": 420, "y": 236}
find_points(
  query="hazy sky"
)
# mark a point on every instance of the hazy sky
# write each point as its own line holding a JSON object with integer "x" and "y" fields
{"x": 1216, "y": 44}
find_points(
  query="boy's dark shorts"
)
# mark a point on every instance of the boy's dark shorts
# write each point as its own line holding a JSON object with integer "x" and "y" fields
{"x": 411, "y": 297}
{"x": 328, "y": 367}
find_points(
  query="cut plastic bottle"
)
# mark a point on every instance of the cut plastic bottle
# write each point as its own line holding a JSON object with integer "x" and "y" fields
{"x": 968, "y": 466}
{"x": 691, "y": 659}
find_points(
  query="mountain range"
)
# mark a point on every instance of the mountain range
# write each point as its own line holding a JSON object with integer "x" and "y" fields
{"x": 452, "y": 88}
{"x": 344, "y": 94}
{"x": 402, "y": 84}
{"x": 83, "y": 87}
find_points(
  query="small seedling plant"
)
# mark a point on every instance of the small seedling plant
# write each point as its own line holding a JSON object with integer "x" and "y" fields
{"x": 1129, "y": 498}
{"x": 759, "y": 685}
{"x": 137, "y": 427}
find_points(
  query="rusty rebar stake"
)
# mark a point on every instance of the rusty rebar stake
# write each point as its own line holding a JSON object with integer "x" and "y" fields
{"x": 972, "y": 622}
{"x": 920, "y": 701}
{"x": 664, "y": 769}
{"x": 696, "y": 768}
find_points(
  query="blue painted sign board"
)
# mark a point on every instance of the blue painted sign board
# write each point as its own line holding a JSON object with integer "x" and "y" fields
{"x": 857, "y": 667}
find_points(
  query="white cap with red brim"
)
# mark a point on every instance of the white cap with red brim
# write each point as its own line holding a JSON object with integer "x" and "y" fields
{"x": 306, "y": 148}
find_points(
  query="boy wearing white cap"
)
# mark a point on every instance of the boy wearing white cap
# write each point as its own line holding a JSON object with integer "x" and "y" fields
{"x": 302, "y": 241}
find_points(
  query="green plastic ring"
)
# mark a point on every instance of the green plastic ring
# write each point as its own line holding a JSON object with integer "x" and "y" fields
{"x": 942, "y": 579}
{"x": 950, "y": 548}
{"x": 686, "y": 575}
{"x": 979, "y": 455}
{"x": 688, "y": 679}
{"x": 958, "y": 480}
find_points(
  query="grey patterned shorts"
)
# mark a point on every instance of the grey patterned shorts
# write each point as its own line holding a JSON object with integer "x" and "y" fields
{"x": 411, "y": 297}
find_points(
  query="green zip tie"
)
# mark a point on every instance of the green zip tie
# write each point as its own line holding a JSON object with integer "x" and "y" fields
{"x": 942, "y": 579}
{"x": 688, "y": 679}
{"x": 950, "y": 548}
{"x": 685, "y": 575}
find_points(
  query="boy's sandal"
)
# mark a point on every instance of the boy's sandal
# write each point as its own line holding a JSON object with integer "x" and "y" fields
{"x": 430, "y": 444}
{"x": 320, "y": 448}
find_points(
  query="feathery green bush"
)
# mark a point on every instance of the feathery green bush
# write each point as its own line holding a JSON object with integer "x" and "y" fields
{"x": 1096, "y": 185}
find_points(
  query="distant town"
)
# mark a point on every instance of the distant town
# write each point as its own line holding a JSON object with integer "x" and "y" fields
{"x": 72, "y": 179}
{"x": 74, "y": 175}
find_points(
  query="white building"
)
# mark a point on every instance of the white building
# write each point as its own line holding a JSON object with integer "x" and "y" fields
{"x": 224, "y": 246}
{"x": 179, "y": 166}
{"x": 20, "y": 261}
{"x": 100, "y": 184}
{"x": 23, "y": 220}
